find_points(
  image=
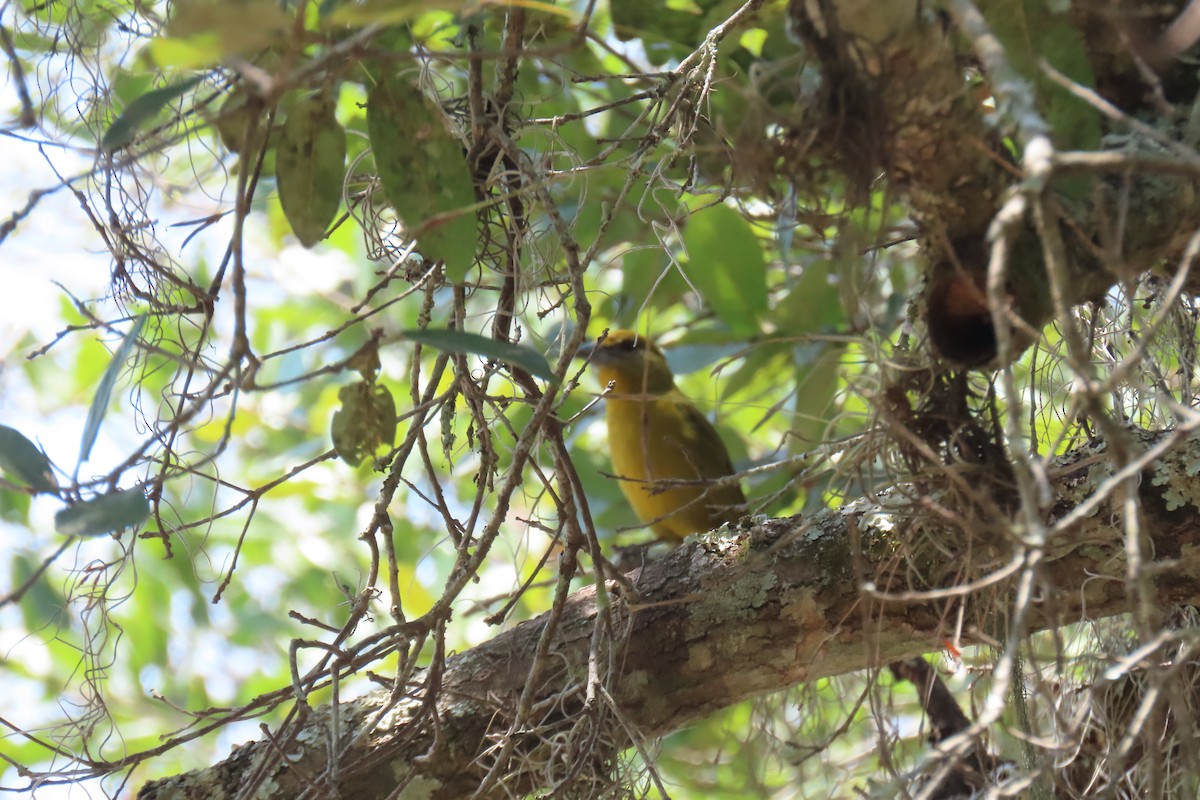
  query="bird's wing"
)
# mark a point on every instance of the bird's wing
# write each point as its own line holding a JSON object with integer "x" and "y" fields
{"x": 701, "y": 442}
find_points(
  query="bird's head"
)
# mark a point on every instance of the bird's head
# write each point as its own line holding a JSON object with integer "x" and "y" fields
{"x": 632, "y": 361}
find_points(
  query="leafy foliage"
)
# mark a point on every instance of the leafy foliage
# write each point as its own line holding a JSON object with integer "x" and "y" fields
{"x": 477, "y": 189}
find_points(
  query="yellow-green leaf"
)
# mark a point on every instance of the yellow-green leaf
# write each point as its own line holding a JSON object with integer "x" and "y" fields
{"x": 726, "y": 263}
{"x": 395, "y": 12}
{"x": 424, "y": 173}
{"x": 310, "y": 166}
{"x": 103, "y": 514}
{"x": 22, "y": 458}
{"x": 366, "y": 420}
{"x": 204, "y": 32}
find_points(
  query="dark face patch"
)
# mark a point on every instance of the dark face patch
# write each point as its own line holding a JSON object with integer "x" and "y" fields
{"x": 625, "y": 345}
{"x": 620, "y": 346}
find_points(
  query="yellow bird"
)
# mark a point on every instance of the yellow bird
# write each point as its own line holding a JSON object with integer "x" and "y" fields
{"x": 656, "y": 434}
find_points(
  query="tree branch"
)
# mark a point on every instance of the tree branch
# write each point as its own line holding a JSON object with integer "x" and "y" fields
{"x": 728, "y": 617}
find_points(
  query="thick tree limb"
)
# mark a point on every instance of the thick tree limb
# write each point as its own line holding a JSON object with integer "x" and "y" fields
{"x": 729, "y": 617}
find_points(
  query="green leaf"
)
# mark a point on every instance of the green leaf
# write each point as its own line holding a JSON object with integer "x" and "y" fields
{"x": 395, "y": 12}
{"x": 42, "y": 601}
{"x": 201, "y": 33}
{"x": 817, "y": 367}
{"x": 767, "y": 358}
{"x": 127, "y": 85}
{"x": 14, "y": 506}
{"x": 811, "y": 304}
{"x": 680, "y": 23}
{"x": 145, "y": 108}
{"x": 648, "y": 279}
{"x": 196, "y": 52}
{"x": 517, "y": 355}
{"x": 424, "y": 174}
{"x": 366, "y": 420}
{"x": 104, "y": 391}
{"x": 242, "y": 25}
{"x": 22, "y": 458}
{"x": 386, "y": 12}
{"x": 310, "y": 166}
{"x": 726, "y": 263}
{"x": 635, "y": 18}
{"x": 103, "y": 514}
{"x": 232, "y": 121}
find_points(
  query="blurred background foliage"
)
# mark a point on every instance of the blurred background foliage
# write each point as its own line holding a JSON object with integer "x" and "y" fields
{"x": 773, "y": 296}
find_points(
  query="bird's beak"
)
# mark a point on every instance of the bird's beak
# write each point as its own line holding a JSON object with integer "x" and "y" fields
{"x": 593, "y": 353}
{"x": 589, "y": 351}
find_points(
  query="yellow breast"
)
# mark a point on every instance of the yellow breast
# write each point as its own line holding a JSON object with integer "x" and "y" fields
{"x": 664, "y": 438}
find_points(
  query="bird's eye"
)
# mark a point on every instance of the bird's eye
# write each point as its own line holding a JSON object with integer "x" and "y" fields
{"x": 629, "y": 345}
